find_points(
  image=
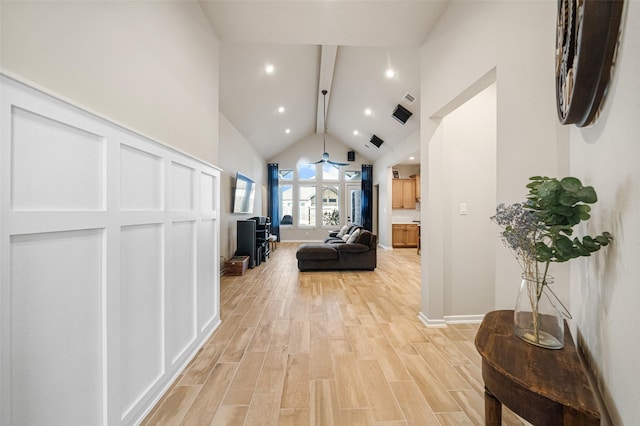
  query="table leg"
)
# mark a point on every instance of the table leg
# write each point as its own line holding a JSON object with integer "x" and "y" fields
{"x": 492, "y": 409}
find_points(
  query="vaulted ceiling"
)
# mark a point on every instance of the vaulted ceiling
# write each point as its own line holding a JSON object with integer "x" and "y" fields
{"x": 343, "y": 46}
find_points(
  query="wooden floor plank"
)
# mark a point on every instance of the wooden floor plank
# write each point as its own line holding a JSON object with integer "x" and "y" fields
{"x": 381, "y": 399}
{"x": 413, "y": 405}
{"x": 350, "y": 388}
{"x": 324, "y": 409}
{"x": 295, "y": 393}
{"x": 206, "y": 404}
{"x": 243, "y": 384}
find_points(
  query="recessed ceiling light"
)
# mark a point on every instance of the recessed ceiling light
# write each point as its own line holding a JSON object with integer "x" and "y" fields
{"x": 269, "y": 69}
{"x": 281, "y": 110}
{"x": 390, "y": 73}
{"x": 287, "y": 131}
{"x": 412, "y": 158}
{"x": 367, "y": 111}
{"x": 356, "y": 133}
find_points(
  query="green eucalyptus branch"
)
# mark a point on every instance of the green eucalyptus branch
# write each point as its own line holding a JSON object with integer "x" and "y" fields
{"x": 559, "y": 205}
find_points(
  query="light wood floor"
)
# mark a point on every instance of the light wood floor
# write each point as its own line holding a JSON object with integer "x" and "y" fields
{"x": 328, "y": 348}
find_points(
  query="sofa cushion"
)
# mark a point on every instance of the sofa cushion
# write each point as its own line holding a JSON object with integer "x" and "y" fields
{"x": 330, "y": 240}
{"x": 334, "y": 241}
{"x": 342, "y": 231}
{"x": 317, "y": 252}
{"x": 354, "y": 235}
{"x": 364, "y": 238}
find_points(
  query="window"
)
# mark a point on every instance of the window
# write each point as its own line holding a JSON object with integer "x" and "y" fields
{"x": 285, "y": 174}
{"x": 353, "y": 175}
{"x": 330, "y": 206}
{"x": 286, "y": 204}
{"x": 307, "y": 171}
{"x": 285, "y": 197}
{"x": 310, "y": 195}
{"x": 307, "y": 206}
{"x": 330, "y": 172}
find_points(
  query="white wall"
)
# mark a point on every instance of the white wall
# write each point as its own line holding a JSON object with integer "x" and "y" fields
{"x": 159, "y": 78}
{"x": 605, "y": 295}
{"x": 469, "y": 171}
{"x": 238, "y": 155}
{"x": 474, "y": 43}
{"x": 517, "y": 38}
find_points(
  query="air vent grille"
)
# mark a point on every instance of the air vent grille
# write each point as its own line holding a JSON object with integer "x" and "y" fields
{"x": 376, "y": 141}
{"x": 409, "y": 98}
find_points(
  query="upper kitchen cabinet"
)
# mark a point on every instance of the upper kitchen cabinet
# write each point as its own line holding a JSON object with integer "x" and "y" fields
{"x": 403, "y": 194}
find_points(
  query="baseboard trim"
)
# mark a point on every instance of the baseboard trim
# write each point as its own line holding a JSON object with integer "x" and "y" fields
{"x": 450, "y": 319}
{"x": 463, "y": 319}
{"x": 431, "y": 323}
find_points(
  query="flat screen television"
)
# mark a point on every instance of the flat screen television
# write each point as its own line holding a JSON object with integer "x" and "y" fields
{"x": 243, "y": 194}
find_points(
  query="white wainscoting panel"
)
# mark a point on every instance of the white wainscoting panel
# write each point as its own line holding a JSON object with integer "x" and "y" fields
{"x": 141, "y": 182}
{"x": 208, "y": 302}
{"x": 181, "y": 187}
{"x": 142, "y": 313}
{"x": 109, "y": 256}
{"x": 70, "y": 175}
{"x": 181, "y": 294}
{"x": 56, "y": 286}
{"x": 207, "y": 193}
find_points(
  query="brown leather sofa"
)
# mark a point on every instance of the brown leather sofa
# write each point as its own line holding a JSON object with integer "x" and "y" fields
{"x": 357, "y": 255}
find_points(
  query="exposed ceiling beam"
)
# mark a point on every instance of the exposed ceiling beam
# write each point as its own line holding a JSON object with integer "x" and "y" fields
{"x": 327, "y": 66}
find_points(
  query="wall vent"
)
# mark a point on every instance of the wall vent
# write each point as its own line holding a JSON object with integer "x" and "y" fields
{"x": 409, "y": 98}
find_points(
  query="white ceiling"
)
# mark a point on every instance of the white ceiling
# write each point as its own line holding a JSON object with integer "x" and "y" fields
{"x": 344, "y": 46}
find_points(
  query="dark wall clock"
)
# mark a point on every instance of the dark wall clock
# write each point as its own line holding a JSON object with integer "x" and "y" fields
{"x": 586, "y": 40}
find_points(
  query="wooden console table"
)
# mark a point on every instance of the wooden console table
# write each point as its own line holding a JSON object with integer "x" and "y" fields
{"x": 543, "y": 386}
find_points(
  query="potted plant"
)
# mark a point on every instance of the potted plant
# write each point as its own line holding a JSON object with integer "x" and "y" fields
{"x": 539, "y": 231}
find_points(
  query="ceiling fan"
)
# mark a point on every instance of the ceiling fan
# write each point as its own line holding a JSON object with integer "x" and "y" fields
{"x": 325, "y": 154}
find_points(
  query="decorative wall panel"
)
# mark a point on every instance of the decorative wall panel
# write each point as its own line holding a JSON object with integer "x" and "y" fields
{"x": 207, "y": 298}
{"x": 207, "y": 192}
{"x": 181, "y": 187}
{"x": 181, "y": 322}
{"x": 55, "y": 166}
{"x": 142, "y": 299}
{"x": 141, "y": 181}
{"x": 109, "y": 264}
{"x": 56, "y": 337}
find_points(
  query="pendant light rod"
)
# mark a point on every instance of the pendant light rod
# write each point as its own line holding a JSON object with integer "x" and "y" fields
{"x": 324, "y": 121}
{"x": 325, "y": 154}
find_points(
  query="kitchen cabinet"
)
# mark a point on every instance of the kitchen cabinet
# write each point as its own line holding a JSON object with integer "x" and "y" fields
{"x": 403, "y": 194}
{"x": 404, "y": 235}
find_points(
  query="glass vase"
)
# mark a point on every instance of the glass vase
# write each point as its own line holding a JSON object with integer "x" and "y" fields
{"x": 538, "y": 315}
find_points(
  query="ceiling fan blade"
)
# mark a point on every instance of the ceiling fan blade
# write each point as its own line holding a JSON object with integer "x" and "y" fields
{"x": 336, "y": 163}
{"x": 321, "y": 161}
